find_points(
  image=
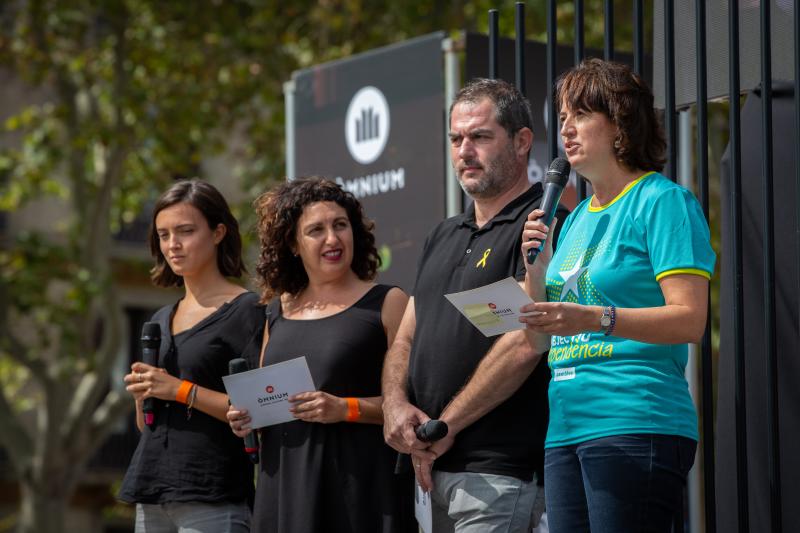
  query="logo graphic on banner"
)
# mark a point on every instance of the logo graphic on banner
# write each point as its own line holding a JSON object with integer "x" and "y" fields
{"x": 366, "y": 125}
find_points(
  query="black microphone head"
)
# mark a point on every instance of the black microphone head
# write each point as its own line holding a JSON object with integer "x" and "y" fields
{"x": 151, "y": 335}
{"x": 558, "y": 172}
{"x": 432, "y": 430}
{"x": 237, "y": 365}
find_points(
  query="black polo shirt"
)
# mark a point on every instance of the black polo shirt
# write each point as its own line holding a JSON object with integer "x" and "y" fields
{"x": 459, "y": 256}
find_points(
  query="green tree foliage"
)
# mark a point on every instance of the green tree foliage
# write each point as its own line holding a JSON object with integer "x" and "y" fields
{"x": 137, "y": 92}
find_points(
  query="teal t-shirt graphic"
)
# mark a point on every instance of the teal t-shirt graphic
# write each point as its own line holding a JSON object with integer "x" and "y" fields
{"x": 616, "y": 254}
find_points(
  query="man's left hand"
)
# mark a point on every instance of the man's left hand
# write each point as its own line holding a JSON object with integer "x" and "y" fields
{"x": 423, "y": 460}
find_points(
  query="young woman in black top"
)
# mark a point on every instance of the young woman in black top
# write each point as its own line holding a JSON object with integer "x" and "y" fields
{"x": 189, "y": 471}
{"x": 329, "y": 470}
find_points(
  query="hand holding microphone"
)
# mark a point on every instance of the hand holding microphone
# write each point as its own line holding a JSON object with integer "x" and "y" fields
{"x": 428, "y": 432}
{"x": 236, "y": 366}
{"x": 554, "y": 183}
{"x": 151, "y": 340}
{"x": 431, "y": 431}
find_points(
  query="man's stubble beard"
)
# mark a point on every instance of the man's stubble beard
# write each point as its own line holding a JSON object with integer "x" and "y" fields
{"x": 498, "y": 175}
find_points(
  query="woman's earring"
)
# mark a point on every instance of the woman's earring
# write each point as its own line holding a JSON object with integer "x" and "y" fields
{"x": 617, "y": 144}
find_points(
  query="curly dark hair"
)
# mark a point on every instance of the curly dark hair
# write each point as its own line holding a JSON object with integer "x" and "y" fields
{"x": 278, "y": 270}
{"x": 210, "y": 202}
{"x": 623, "y": 96}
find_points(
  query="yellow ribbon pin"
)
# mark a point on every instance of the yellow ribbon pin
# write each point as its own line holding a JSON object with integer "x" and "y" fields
{"x": 482, "y": 262}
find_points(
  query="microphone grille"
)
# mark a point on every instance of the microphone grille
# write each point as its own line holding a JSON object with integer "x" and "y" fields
{"x": 237, "y": 365}
{"x": 558, "y": 171}
{"x": 151, "y": 330}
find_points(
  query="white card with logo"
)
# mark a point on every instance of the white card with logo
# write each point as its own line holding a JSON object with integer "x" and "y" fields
{"x": 265, "y": 391}
{"x": 493, "y": 308}
{"x": 422, "y": 509}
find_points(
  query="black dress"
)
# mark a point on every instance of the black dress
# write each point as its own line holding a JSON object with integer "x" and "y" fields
{"x": 332, "y": 477}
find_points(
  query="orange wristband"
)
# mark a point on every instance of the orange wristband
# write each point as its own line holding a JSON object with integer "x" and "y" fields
{"x": 353, "y": 409}
{"x": 183, "y": 391}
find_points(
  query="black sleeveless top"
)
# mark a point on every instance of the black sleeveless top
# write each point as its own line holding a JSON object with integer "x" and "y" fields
{"x": 331, "y": 477}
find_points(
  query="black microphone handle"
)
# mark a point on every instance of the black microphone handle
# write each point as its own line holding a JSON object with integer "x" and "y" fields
{"x": 151, "y": 340}
{"x": 430, "y": 431}
{"x": 251, "y": 446}
{"x": 251, "y": 439}
{"x": 149, "y": 357}
{"x": 549, "y": 204}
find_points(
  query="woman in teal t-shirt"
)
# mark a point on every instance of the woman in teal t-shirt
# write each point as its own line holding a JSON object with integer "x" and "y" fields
{"x": 625, "y": 292}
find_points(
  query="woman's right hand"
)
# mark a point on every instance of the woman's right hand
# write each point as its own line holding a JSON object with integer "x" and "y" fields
{"x": 144, "y": 381}
{"x": 534, "y": 233}
{"x": 238, "y": 419}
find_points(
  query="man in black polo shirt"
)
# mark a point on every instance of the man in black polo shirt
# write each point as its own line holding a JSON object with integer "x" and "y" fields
{"x": 440, "y": 366}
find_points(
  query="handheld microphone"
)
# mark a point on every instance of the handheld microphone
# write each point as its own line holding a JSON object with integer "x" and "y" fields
{"x": 151, "y": 340}
{"x": 554, "y": 183}
{"x": 236, "y": 366}
{"x": 431, "y": 431}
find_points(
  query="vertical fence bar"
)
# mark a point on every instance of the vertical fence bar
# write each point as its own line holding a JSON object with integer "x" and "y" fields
{"x": 494, "y": 43}
{"x": 638, "y": 37}
{"x": 608, "y": 40}
{"x": 797, "y": 129}
{"x": 519, "y": 49}
{"x": 738, "y": 288}
{"x": 580, "y": 184}
{"x": 694, "y": 482}
{"x": 669, "y": 89}
{"x": 773, "y": 441}
{"x": 289, "y": 127}
{"x": 452, "y": 81}
{"x": 579, "y": 40}
{"x": 707, "y": 381}
{"x": 552, "y": 121}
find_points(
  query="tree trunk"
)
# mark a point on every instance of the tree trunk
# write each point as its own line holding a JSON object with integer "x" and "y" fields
{"x": 43, "y": 507}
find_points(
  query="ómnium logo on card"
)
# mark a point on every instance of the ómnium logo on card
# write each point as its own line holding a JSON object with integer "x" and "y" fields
{"x": 272, "y": 396}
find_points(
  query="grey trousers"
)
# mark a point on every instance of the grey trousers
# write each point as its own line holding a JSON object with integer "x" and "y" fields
{"x": 467, "y": 502}
{"x": 192, "y": 517}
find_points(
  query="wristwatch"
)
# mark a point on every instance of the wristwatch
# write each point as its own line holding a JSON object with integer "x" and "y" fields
{"x": 609, "y": 318}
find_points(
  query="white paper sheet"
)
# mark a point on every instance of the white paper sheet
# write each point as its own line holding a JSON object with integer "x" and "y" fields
{"x": 422, "y": 509}
{"x": 265, "y": 391}
{"x": 493, "y": 308}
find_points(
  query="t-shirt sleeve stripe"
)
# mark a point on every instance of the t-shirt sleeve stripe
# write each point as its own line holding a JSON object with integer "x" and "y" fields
{"x": 693, "y": 271}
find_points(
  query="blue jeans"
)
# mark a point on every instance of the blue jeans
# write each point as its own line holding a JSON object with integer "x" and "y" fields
{"x": 192, "y": 517}
{"x": 619, "y": 484}
{"x": 468, "y": 502}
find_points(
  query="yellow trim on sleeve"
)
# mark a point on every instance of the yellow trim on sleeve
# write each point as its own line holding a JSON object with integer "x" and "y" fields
{"x": 692, "y": 271}
{"x": 628, "y": 187}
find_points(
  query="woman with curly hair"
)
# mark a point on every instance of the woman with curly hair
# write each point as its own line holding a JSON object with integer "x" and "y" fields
{"x": 329, "y": 470}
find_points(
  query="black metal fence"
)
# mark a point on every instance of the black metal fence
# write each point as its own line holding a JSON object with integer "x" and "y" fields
{"x": 667, "y": 79}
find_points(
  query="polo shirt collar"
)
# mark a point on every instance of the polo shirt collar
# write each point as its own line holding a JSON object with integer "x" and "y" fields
{"x": 510, "y": 212}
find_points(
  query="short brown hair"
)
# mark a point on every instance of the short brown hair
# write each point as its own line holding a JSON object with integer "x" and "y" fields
{"x": 616, "y": 91}
{"x": 512, "y": 110}
{"x": 210, "y": 202}
{"x": 278, "y": 270}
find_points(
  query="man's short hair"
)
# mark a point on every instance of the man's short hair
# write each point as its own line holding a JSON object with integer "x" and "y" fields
{"x": 512, "y": 110}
